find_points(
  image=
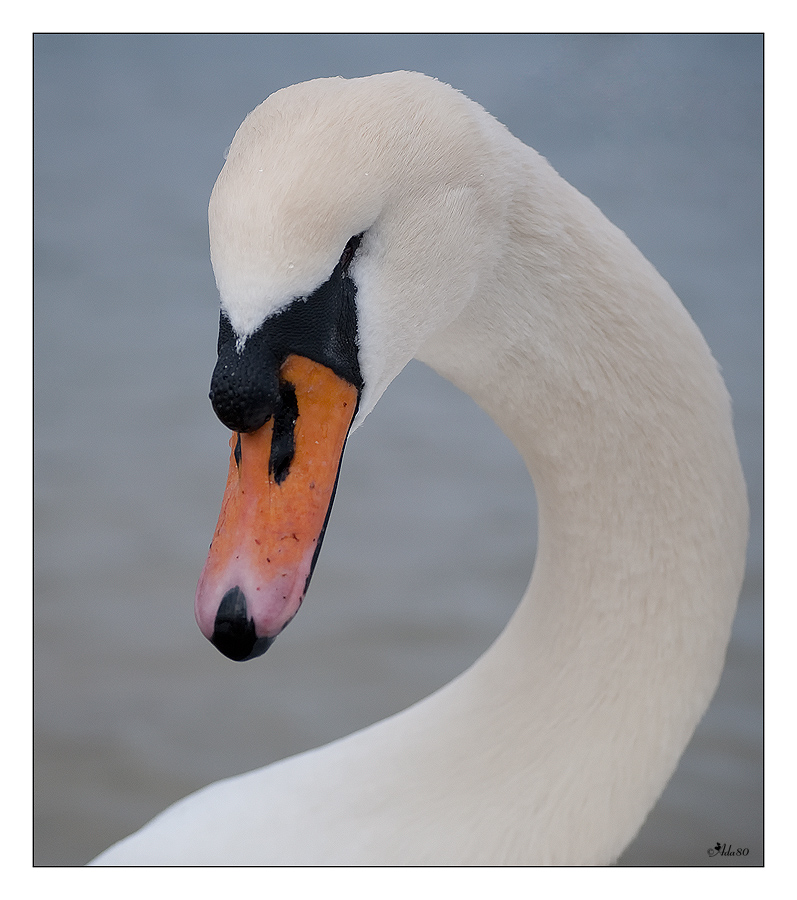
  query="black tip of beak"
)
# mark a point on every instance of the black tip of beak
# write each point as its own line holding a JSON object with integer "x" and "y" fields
{"x": 234, "y": 632}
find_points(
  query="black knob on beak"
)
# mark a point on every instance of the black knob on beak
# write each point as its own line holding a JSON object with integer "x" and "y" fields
{"x": 244, "y": 388}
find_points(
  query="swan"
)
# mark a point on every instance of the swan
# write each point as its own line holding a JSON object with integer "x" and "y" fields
{"x": 357, "y": 224}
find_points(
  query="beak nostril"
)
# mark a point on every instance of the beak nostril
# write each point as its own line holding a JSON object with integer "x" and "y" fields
{"x": 283, "y": 441}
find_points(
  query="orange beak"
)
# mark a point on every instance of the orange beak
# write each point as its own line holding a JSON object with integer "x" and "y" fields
{"x": 279, "y": 492}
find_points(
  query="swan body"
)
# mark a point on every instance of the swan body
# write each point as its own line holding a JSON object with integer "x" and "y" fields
{"x": 477, "y": 258}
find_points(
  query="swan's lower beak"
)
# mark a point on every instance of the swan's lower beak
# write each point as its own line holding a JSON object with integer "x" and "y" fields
{"x": 279, "y": 492}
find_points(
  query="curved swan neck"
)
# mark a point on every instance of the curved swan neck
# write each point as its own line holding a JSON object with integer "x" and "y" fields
{"x": 589, "y": 363}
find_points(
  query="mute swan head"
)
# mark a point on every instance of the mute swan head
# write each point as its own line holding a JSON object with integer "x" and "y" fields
{"x": 353, "y": 225}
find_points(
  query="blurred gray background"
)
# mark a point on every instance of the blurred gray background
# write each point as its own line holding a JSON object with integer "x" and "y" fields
{"x": 431, "y": 541}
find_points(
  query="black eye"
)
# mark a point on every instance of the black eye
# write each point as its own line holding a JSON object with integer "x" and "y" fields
{"x": 348, "y": 252}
